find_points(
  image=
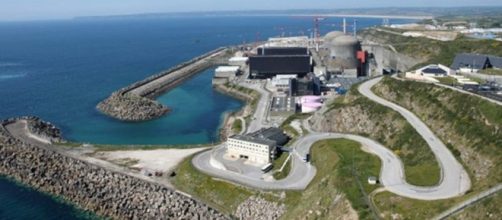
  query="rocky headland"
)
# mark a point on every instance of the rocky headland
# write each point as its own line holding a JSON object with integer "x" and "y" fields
{"x": 91, "y": 187}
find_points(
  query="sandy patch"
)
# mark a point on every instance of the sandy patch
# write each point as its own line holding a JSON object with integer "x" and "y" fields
{"x": 156, "y": 160}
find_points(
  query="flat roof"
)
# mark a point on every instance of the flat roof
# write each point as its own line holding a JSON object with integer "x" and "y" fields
{"x": 227, "y": 69}
{"x": 239, "y": 59}
{"x": 253, "y": 139}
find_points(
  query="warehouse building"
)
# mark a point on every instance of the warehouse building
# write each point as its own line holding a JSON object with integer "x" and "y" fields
{"x": 276, "y": 51}
{"x": 273, "y": 61}
{"x": 259, "y": 147}
{"x": 472, "y": 63}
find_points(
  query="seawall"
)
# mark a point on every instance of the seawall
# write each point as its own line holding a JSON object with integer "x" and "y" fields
{"x": 136, "y": 101}
{"x": 92, "y": 188}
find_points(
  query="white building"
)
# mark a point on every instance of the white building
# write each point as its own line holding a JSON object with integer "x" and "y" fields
{"x": 434, "y": 70}
{"x": 226, "y": 71}
{"x": 282, "y": 81}
{"x": 238, "y": 61}
{"x": 253, "y": 149}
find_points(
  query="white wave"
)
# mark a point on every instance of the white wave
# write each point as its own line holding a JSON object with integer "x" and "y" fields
{"x": 11, "y": 76}
{"x": 7, "y": 64}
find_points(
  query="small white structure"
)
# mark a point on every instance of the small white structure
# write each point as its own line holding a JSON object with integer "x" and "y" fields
{"x": 434, "y": 70}
{"x": 282, "y": 81}
{"x": 238, "y": 61}
{"x": 430, "y": 72}
{"x": 372, "y": 180}
{"x": 226, "y": 71}
{"x": 257, "y": 150}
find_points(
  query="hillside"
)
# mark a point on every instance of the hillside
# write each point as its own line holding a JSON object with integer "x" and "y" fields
{"x": 433, "y": 51}
{"x": 469, "y": 126}
{"x": 356, "y": 114}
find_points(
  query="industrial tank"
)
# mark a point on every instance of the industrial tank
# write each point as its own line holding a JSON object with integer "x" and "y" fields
{"x": 328, "y": 38}
{"x": 344, "y": 51}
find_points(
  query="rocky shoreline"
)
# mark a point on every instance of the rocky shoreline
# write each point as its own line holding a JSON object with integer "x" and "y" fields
{"x": 90, "y": 187}
{"x": 126, "y": 105}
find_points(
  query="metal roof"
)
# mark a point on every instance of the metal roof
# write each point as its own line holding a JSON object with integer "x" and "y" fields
{"x": 434, "y": 70}
{"x": 496, "y": 62}
{"x": 475, "y": 61}
{"x": 253, "y": 139}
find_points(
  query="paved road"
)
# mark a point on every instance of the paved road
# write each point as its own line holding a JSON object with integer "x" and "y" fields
{"x": 260, "y": 115}
{"x": 454, "y": 181}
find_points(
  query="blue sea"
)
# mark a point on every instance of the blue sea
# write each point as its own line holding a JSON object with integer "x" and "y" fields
{"x": 60, "y": 70}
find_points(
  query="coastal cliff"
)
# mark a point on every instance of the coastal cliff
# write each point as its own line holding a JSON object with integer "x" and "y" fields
{"x": 108, "y": 194}
{"x": 136, "y": 102}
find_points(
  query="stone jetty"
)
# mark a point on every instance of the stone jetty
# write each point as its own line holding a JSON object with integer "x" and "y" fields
{"x": 93, "y": 188}
{"x": 136, "y": 102}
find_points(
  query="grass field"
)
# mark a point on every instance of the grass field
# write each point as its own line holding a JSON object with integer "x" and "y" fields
{"x": 237, "y": 126}
{"x": 278, "y": 163}
{"x": 497, "y": 72}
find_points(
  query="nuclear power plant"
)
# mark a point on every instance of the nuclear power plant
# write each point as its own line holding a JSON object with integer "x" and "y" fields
{"x": 343, "y": 55}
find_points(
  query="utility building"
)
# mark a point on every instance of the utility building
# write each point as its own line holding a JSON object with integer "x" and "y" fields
{"x": 259, "y": 147}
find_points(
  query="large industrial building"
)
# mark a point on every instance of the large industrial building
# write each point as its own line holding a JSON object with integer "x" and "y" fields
{"x": 309, "y": 85}
{"x": 272, "y": 61}
{"x": 259, "y": 147}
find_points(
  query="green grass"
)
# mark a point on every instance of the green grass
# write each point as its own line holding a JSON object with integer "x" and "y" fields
{"x": 278, "y": 164}
{"x": 447, "y": 80}
{"x": 336, "y": 161}
{"x": 492, "y": 72}
{"x": 219, "y": 194}
{"x": 389, "y": 203}
{"x": 237, "y": 126}
{"x": 488, "y": 208}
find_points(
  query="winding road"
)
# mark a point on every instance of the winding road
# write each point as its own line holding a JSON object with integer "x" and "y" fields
{"x": 454, "y": 179}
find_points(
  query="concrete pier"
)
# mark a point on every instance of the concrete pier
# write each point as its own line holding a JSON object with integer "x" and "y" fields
{"x": 136, "y": 101}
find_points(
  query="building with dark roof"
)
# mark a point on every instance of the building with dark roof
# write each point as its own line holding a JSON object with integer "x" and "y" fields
{"x": 274, "y": 134}
{"x": 305, "y": 86}
{"x": 259, "y": 147}
{"x": 274, "y": 51}
{"x": 263, "y": 67}
{"x": 467, "y": 62}
{"x": 272, "y": 61}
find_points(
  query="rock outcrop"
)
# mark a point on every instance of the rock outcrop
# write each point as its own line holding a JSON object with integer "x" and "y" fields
{"x": 255, "y": 208}
{"x": 131, "y": 107}
{"x": 90, "y": 187}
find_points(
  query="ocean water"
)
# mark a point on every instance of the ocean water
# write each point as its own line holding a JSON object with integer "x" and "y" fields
{"x": 60, "y": 70}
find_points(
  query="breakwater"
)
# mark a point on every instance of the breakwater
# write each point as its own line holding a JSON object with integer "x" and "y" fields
{"x": 136, "y": 101}
{"x": 93, "y": 188}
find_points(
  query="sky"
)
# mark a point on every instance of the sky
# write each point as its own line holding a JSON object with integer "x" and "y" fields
{"x": 65, "y": 9}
